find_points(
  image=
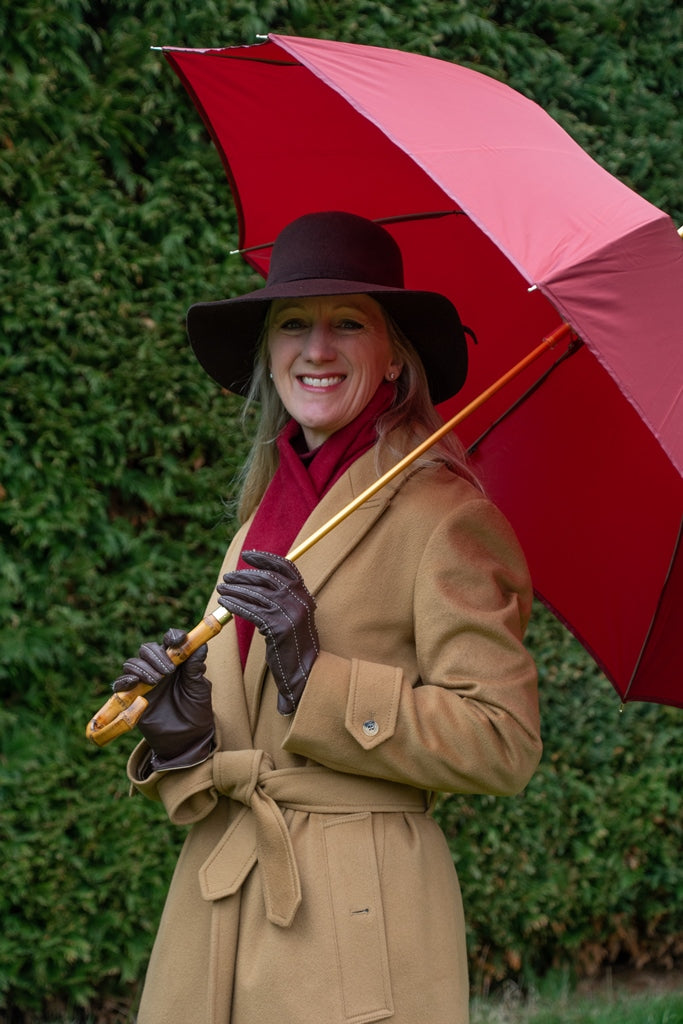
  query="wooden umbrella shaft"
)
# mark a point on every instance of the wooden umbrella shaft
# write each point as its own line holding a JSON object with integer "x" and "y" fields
{"x": 123, "y": 709}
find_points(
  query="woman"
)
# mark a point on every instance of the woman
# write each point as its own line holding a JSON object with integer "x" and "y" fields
{"x": 385, "y": 666}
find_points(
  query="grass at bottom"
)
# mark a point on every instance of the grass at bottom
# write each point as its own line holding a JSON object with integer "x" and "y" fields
{"x": 511, "y": 1008}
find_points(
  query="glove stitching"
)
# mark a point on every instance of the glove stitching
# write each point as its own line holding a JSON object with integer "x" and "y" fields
{"x": 306, "y": 605}
{"x": 287, "y": 585}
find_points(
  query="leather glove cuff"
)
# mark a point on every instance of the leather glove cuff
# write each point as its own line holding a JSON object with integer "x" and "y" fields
{"x": 200, "y": 751}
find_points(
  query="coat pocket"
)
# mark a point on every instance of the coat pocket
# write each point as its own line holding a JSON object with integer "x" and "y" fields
{"x": 356, "y": 902}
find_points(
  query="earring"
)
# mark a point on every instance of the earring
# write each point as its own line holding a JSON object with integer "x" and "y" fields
{"x": 392, "y": 375}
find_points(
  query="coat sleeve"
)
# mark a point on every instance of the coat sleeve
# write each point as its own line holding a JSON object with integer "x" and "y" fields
{"x": 469, "y": 722}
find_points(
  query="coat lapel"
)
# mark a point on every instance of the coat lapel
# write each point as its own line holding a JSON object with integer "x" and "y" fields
{"x": 320, "y": 561}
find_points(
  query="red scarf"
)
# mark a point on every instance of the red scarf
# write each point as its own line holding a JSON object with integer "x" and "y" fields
{"x": 300, "y": 481}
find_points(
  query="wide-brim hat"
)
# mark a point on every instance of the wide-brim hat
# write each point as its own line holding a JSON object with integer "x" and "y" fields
{"x": 331, "y": 253}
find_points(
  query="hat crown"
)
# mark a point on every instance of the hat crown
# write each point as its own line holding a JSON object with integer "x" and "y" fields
{"x": 336, "y": 246}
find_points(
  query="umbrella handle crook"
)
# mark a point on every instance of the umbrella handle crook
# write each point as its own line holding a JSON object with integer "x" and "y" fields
{"x": 123, "y": 709}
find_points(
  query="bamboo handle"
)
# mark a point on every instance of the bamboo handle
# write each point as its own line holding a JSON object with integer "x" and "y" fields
{"x": 123, "y": 709}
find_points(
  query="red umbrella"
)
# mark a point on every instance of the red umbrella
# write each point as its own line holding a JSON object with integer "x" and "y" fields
{"x": 494, "y": 205}
{"x": 586, "y": 465}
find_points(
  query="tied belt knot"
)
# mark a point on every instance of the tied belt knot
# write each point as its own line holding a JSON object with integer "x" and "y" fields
{"x": 259, "y": 831}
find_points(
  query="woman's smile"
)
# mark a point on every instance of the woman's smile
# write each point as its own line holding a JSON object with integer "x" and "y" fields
{"x": 321, "y": 382}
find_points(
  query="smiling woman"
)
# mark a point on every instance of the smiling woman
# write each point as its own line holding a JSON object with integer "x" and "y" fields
{"x": 328, "y": 355}
{"x": 305, "y": 746}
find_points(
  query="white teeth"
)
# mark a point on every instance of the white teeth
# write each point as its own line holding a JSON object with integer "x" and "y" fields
{"x": 321, "y": 382}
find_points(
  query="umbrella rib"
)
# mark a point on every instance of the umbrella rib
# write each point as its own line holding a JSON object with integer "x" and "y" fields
{"x": 231, "y": 56}
{"x": 263, "y": 60}
{"x": 399, "y": 218}
{"x": 427, "y": 215}
{"x": 646, "y": 641}
{"x": 573, "y": 347}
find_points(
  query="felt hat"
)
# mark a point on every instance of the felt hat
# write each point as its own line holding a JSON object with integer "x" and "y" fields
{"x": 331, "y": 253}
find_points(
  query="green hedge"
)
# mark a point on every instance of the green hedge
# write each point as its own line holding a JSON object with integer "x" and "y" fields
{"x": 84, "y": 874}
{"x": 119, "y": 455}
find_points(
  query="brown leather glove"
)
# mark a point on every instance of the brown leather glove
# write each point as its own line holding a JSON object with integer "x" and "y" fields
{"x": 178, "y": 721}
{"x": 274, "y": 597}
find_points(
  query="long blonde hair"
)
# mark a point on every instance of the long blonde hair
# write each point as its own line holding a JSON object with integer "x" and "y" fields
{"x": 412, "y": 417}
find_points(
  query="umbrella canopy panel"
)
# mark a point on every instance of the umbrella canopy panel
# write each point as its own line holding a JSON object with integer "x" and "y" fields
{"x": 533, "y": 232}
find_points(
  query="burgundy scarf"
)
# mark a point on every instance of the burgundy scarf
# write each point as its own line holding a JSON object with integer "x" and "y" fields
{"x": 300, "y": 481}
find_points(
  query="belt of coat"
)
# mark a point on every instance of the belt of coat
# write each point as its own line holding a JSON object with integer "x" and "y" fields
{"x": 260, "y": 833}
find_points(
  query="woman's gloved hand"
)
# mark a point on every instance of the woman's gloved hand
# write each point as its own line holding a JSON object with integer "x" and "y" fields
{"x": 178, "y": 721}
{"x": 274, "y": 597}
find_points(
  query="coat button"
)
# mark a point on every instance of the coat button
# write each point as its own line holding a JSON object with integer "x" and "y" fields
{"x": 370, "y": 728}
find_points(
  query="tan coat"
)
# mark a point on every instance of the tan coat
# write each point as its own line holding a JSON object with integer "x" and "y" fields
{"x": 314, "y": 886}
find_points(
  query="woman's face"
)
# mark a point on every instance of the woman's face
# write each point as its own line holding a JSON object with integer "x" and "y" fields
{"x": 327, "y": 356}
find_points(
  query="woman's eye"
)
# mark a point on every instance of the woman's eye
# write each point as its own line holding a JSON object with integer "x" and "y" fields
{"x": 291, "y": 324}
{"x": 347, "y": 324}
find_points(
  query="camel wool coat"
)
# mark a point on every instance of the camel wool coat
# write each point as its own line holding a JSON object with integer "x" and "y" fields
{"x": 314, "y": 887}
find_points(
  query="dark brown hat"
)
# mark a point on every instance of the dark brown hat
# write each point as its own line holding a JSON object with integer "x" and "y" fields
{"x": 331, "y": 253}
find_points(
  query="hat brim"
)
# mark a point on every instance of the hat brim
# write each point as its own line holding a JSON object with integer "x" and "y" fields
{"x": 224, "y": 334}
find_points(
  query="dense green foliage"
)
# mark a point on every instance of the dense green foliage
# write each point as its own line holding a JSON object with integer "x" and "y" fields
{"x": 118, "y": 457}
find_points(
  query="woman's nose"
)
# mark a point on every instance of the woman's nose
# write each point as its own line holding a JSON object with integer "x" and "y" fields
{"x": 318, "y": 347}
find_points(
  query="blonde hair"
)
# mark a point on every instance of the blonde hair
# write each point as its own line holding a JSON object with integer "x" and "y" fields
{"x": 412, "y": 417}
